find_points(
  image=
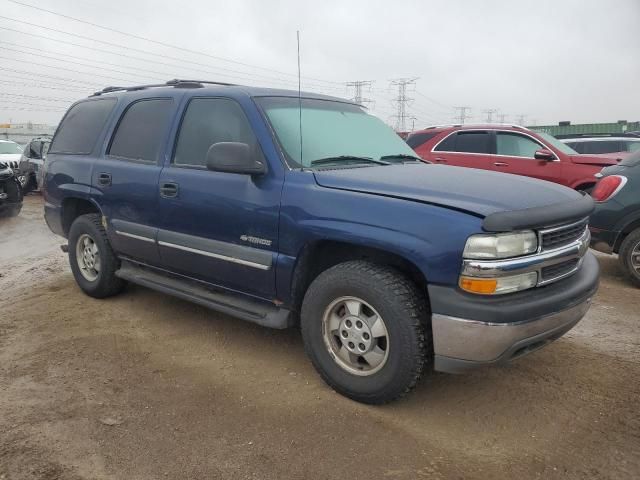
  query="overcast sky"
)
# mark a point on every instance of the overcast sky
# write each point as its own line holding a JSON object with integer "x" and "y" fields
{"x": 549, "y": 60}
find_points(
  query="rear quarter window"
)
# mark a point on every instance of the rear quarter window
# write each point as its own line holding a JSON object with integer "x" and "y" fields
{"x": 81, "y": 127}
{"x": 417, "y": 139}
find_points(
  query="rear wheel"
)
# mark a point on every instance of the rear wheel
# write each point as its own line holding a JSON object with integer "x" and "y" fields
{"x": 92, "y": 260}
{"x": 12, "y": 211}
{"x": 363, "y": 327}
{"x": 629, "y": 256}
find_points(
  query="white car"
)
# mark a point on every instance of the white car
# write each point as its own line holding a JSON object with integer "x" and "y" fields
{"x": 605, "y": 144}
{"x": 10, "y": 153}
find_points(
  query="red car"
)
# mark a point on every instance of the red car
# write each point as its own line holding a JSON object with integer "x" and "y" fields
{"x": 509, "y": 149}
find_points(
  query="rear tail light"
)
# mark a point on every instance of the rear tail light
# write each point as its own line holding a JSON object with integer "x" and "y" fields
{"x": 608, "y": 187}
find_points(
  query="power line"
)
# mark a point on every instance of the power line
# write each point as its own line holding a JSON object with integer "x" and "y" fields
{"x": 462, "y": 114}
{"x": 402, "y": 101}
{"x": 501, "y": 117}
{"x": 83, "y": 64}
{"x": 33, "y": 75}
{"x": 163, "y": 44}
{"x": 246, "y": 75}
{"x": 47, "y": 99}
{"x": 74, "y": 71}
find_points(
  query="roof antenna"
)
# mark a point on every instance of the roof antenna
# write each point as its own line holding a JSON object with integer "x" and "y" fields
{"x": 299, "y": 95}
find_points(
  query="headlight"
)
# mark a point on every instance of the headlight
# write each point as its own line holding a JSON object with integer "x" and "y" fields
{"x": 500, "y": 245}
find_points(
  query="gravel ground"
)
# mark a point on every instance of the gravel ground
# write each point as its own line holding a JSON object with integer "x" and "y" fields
{"x": 144, "y": 386}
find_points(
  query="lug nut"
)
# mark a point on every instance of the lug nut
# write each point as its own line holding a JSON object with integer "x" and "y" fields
{"x": 348, "y": 323}
{"x": 361, "y": 346}
{"x": 351, "y": 345}
{"x": 365, "y": 335}
{"x": 359, "y": 324}
{"x": 344, "y": 333}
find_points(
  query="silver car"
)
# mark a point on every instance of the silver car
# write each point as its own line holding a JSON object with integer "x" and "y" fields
{"x": 32, "y": 163}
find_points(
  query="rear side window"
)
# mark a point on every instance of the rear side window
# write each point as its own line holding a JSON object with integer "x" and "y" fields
{"x": 208, "y": 121}
{"x": 141, "y": 130}
{"x": 82, "y": 126}
{"x": 417, "y": 139}
{"x": 466, "y": 142}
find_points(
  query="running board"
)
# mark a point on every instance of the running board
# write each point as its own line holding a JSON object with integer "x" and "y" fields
{"x": 262, "y": 313}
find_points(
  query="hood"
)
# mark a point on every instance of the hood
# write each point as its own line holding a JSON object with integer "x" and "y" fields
{"x": 480, "y": 192}
{"x": 602, "y": 160}
{"x": 10, "y": 156}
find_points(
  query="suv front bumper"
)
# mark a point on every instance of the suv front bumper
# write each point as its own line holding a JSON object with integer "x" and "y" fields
{"x": 470, "y": 331}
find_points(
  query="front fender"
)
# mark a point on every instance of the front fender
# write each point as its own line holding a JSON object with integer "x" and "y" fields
{"x": 430, "y": 237}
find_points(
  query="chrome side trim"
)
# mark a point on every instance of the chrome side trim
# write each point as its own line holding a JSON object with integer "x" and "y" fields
{"x": 530, "y": 263}
{"x": 137, "y": 237}
{"x": 477, "y": 341}
{"x": 216, "y": 255}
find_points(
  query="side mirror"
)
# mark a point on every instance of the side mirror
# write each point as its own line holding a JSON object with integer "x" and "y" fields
{"x": 544, "y": 154}
{"x": 234, "y": 157}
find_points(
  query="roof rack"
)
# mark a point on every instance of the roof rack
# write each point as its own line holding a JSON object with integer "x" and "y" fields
{"x": 176, "y": 83}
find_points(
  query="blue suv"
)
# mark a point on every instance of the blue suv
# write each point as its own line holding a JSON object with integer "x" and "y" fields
{"x": 290, "y": 209}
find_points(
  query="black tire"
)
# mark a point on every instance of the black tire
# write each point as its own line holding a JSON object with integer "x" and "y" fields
{"x": 106, "y": 284}
{"x": 12, "y": 211}
{"x": 631, "y": 242}
{"x": 404, "y": 310}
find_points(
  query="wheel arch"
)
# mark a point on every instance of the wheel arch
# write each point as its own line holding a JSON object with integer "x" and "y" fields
{"x": 624, "y": 232}
{"x": 73, "y": 207}
{"x": 320, "y": 255}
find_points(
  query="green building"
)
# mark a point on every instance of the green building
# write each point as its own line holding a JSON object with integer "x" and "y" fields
{"x": 565, "y": 128}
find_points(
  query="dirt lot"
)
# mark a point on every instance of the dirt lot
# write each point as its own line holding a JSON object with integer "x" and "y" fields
{"x": 144, "y": 386}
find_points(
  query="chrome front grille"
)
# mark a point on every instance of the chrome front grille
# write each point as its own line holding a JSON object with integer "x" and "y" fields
{"x": 557, "y": 237}
{"x": 559, "y": 270}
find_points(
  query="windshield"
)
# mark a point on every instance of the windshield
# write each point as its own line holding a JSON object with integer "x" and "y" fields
{"x": 330, "y": 130}
{"x": 9, "y": 147}
{"x": 563, "y": 147}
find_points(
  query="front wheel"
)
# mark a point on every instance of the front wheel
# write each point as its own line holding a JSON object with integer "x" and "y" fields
{"x": 364, "y": 327}
{"x": 92, "y": 260}
{"x": 629, "y": 256}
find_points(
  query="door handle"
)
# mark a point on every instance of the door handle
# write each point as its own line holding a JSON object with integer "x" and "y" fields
{"x": 440, "y": 160}
{"x": 501, "y": 164}
{"x": 169, "y": 190}
{"x": 104, "y": 179}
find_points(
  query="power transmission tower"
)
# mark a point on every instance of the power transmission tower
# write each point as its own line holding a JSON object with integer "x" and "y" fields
{"x": 490, "y": 112}
{"x": 402, "y": 101}
{"x": 520, "y": 119}
{"x": 358, "y": 87}
{"x": 501, "y": 117}
{"x": 462, "y": 115}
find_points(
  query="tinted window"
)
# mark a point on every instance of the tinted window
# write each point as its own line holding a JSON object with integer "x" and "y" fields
{"x": 417, "y": 139}
{"x": 33, "y": 149}
{"x": 472, "y": 142}
{"x": 448, "y": 144}
{"x": 81, "y": 126}
{"x": 577, "y": 146}
{"x": 603, "y": 146}
{"x": 208, "y": 121}
{"x": 142, "y": 129}
{"x": 515, "y": 145}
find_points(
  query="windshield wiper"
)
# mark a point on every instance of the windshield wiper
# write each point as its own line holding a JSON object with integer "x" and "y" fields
{"x": 401, "y": 156}
{"x": 347, "y": 158}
